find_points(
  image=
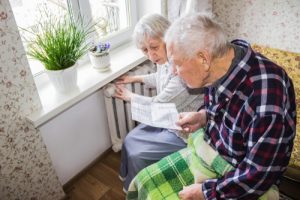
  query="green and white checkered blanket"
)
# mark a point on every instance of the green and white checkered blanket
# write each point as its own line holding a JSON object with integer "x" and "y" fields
{"x": 194, "y": 164}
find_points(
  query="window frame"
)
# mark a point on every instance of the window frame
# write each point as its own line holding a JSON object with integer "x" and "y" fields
{"x": 115, "y": 39}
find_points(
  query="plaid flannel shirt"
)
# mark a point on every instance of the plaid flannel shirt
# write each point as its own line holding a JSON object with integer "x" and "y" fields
{"x": 251, "y": 123}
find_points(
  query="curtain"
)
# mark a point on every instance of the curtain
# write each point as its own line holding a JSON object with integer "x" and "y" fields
{"x": 176, "y": 8}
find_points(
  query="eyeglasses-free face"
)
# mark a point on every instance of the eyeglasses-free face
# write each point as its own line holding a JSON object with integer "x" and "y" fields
{"x": 155, "y": 50}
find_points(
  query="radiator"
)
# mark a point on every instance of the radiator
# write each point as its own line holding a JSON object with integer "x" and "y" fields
{"x": 119, "y": 112}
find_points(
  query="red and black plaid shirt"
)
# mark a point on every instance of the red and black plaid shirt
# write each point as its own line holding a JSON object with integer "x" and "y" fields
{"x": 251, "y": 123}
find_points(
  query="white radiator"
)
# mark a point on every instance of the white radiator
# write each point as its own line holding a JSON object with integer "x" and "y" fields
{"x": 119, "y": 111}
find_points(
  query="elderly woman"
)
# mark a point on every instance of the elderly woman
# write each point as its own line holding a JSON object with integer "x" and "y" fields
{"x": 248, "y": 118}
{"x": 145, "y": 145}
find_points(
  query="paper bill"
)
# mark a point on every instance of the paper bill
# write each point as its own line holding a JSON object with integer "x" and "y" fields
{"x": 163, "y": 115}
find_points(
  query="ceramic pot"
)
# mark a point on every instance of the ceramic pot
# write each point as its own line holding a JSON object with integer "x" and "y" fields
{"x": 100, "y": 61}
{"x": 64, "y": 80}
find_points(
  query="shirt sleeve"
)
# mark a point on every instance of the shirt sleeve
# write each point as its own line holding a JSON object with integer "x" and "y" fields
{"x": 150, "y": 80}
{"x": 266, "y": 159}
{"x": 174, "y": 92}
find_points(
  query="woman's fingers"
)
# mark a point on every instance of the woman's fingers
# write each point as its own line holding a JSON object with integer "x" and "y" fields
{"x": 120, "y": 87}
{"x": 117, "y": 96}
{"x": 120, "y": 80}
{"x": 119, "y": 92}
{"x": 123, "y": 80}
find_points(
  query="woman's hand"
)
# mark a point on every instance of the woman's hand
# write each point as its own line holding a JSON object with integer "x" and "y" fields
{"x": 129, "y": 79}
{"x": 191, "y": 192}
{"x": 123, "y": 93}
{"x": 191, "y": 121}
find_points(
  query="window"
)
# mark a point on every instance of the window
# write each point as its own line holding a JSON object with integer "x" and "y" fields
{"x": 114, "y": 19}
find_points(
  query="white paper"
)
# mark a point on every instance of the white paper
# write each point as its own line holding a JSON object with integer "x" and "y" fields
{"x": 163, "y": 115}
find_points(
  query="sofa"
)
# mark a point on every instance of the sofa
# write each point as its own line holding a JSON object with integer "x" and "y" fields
{"x": 290, "y": 61}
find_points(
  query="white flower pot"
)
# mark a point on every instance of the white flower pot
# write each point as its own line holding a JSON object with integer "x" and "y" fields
{"x": 64, "y": 80}
{"x": 101, "y": 61}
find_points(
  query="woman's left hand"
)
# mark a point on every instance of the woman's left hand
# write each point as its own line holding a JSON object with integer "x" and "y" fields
{"x": 123, "y": 93}
{"x": 192, "y": 192}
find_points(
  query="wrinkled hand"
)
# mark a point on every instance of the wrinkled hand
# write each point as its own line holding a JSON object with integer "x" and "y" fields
{"x": 123, "y": 93}
{"x": 192, "y": 192}
{"x": 126, "y": 79}
{"x": 191, "y": 121}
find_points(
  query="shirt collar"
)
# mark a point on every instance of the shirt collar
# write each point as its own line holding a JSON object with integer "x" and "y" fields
{"x": 225, "y": 87}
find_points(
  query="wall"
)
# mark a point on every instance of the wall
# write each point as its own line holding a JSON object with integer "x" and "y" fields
{"x": 274, "y": 23}
{"x": 26, "y": 170}
{"x": 78, "y": 136}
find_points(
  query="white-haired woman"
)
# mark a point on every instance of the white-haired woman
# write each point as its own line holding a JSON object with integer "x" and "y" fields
{"x": 145, "y": 145}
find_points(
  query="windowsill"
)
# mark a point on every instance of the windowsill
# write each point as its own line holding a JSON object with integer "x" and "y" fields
{"x": 90, "y": 80}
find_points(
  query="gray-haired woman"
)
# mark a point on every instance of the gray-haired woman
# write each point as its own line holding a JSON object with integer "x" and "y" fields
{"x": 145, "y": 144}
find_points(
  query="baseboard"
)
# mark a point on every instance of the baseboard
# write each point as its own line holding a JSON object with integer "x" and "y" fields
{"x": 67, "y": 185}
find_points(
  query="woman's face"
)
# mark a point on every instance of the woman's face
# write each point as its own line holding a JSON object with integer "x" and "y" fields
{"x": 155, "y": 50}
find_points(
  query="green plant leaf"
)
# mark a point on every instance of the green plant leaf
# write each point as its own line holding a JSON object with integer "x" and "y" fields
{"x": 60, "y": 42}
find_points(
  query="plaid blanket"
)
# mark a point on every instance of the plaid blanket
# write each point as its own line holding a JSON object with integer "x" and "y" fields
{"x": 194, "y": 164}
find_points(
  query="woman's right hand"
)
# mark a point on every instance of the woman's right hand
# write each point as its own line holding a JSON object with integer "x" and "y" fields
{"x": 123, "y": 93}
{"x": 191, "y": 121}
{"x": 128, "y": 79}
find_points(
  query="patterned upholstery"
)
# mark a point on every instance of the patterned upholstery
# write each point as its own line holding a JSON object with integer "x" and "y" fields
{"x": 291, "y": 63}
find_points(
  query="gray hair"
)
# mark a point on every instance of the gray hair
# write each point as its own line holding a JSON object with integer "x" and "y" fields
{"x": 151, "y": 25}
{"x": 195, "y": 32}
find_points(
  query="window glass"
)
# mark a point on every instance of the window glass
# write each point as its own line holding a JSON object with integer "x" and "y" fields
{"x": 112, "y": 17}
{"x": 29, "y": 13}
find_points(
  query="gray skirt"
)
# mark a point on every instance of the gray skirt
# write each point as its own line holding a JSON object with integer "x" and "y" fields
{"x": 145, "y": 145}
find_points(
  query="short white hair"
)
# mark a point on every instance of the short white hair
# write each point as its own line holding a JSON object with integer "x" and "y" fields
{"x": 195, "y": 32}
{"x": 150, "y": 25}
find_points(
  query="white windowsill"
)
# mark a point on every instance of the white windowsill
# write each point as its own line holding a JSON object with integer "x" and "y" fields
{"x": 90, "y": 80}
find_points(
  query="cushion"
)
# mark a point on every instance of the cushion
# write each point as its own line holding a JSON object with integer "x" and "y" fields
{"x": 290, "y": 61}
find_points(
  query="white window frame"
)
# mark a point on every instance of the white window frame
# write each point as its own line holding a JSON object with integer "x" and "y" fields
{"x": 115, "y": 39}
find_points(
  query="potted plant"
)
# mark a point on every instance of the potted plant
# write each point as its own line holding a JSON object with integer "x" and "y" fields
{"x": 58, "y": 44}
{"x": 99, "y": 56}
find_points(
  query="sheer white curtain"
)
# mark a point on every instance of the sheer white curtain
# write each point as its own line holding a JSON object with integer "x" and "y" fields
{"x": 176, "y": 8}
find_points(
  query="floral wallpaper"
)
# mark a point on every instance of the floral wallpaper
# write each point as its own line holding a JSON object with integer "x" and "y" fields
{"x": 273, "y": 23}
{"x": 26, "y": 170}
